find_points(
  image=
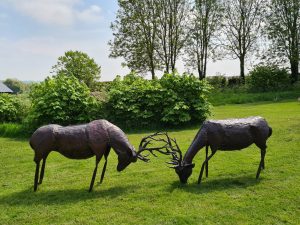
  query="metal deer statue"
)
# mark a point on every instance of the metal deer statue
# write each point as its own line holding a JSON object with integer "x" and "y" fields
{"x": 223, "y": 135}
{"x": 84, "y": 141}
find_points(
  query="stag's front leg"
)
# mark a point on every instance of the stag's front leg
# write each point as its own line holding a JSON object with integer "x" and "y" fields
{"x": 206, "y": 167}
{"x": 263, "y": 154}
{"x": 94, "y": 174}
{"x": 36, "y": 176}
{"x": 204, "y": 163}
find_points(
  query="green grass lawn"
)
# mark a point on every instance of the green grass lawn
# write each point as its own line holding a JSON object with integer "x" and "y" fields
{"x": 151, "y": 193}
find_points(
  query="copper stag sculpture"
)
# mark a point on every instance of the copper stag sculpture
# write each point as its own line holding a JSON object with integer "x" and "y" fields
{"x": 223, "y": 135}
{"x": 84, "y": 141}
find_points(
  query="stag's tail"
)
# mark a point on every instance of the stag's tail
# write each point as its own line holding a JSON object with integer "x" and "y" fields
{"x": 270, "y": 131}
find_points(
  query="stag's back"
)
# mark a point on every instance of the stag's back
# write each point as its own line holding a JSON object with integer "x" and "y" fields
{"x": 236, "y": 134}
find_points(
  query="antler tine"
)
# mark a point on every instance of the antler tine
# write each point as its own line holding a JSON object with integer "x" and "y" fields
{"x": 178, "y": 149}
{"x": 175, "y": 151}
{"x": 154, "y": 137}
{"x": 147, "y": 142}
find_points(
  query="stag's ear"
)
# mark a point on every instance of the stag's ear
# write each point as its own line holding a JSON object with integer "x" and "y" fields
{"x": 192, "y": 165}
{"x": 134, "y": 156}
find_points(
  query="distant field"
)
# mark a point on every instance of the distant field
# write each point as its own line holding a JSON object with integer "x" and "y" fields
{"x": 151, "y": 193}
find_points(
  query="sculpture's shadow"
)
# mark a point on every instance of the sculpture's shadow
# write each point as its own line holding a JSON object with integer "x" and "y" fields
{"x": 212, "y": 185}
{"x": 66, "y": 196}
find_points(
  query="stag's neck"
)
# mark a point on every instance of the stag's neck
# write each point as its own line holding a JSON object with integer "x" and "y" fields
{"x": 199, "y": 142}
{"x": 189, "y": 155}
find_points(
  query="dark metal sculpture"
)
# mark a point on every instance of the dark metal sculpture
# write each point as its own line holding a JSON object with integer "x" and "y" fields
{"x": 84, "y": 141}
{"x": 223, "y": 135}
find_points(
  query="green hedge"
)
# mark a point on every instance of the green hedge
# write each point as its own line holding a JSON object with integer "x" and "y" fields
{"x": 11, "y": 109}
{"x": 268, "y": 78}
{"x": 62, "y": 100}
{"x": 172, "y": 100}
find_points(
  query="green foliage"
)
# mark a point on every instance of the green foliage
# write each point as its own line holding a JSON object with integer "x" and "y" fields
{"x": 10, "y": 108}
{"x": 13, "y": 130}
{"x": 282, "y": 28}
{"x": 219, "y": 81}
{"x": 79, "y": 65}
{"x": 234, "y": 81}
{"x": 63, "y": 100}
{"x": 185, "y": 99}
{"x": 172, "y": 100}
{"x": 133, "y": 101}
{"x": 264, "y": 78}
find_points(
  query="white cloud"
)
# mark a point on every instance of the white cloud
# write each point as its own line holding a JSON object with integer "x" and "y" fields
{"x": 91, "y": 14}
{"x": 57, "y": 12}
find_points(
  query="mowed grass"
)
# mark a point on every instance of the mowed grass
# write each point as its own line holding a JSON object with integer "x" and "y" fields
{"x": 150, "y": 193}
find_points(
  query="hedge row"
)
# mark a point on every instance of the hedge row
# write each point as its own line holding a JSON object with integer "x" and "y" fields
{"x": 172, "y": 100}
{"x": 131, "y": 102}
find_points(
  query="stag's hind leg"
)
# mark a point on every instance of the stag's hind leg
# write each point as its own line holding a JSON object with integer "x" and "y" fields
{"x": 42, "y": 170}
{"x": 204, "y": 163}
{"x": 262, "y": 162}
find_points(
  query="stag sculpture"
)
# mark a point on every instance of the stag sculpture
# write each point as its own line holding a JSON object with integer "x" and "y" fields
{"x": 84, "y": 141}
{"x": 223, "y": 135}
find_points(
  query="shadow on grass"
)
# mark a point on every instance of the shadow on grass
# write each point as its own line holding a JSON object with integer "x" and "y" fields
{"x": 28, "y": 197}
{"x": 216, "y": 184}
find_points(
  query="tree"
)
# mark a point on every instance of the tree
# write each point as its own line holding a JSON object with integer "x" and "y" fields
{"x": 135, "y": 35}
{"x": 172, "y": 33}
{"x": 283, "y": 32}
{"x": 148, "y": 32}
{"x": 79, "y": 65}
{"x": 242, "y": 23}
{"x": 205, "y": 21}
{"x": 16, "y": 86}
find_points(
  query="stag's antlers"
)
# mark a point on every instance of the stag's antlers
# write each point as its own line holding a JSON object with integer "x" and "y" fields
{"x": 170, "y": 147}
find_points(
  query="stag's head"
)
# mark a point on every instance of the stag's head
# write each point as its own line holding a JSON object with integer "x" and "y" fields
{"x": 184, "y": 172}
{"x": 170, "y": 147}
{"x": 182, "y": 169}
{"x": 125, "y": 158}
{"x": 129, "y": 156}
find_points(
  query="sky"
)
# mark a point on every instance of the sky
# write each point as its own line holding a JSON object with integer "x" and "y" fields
{"x": 34, "y": 33}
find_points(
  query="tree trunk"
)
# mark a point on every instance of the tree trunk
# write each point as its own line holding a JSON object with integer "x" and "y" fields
{"x": 242, "y": 69}
{"x": 294, "y": 70}
{"x": 152, "y": 73}
{"x": 199, "y": 72}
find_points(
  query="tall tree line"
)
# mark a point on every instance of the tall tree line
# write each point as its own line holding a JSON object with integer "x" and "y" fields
{"x": 152, "y": 35}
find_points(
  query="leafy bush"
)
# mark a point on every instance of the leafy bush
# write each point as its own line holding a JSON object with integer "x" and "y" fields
{"x": 10, "y": 108}
{"x": 185, "y": 100}
{"x": 172, "y": 100}
{"x": 217, "y": 81}
{"x": 267, "y": 78}
{"x": 133, "y": 101}
{"x": 63, "y": 100}
{"x": 234, "y": 81}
